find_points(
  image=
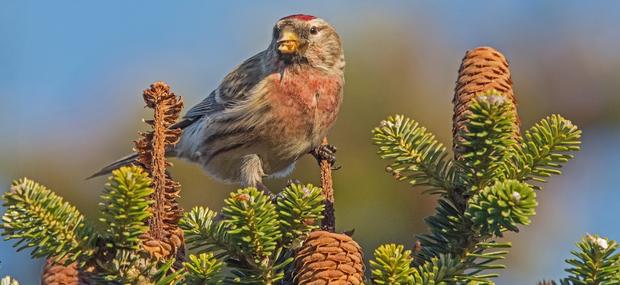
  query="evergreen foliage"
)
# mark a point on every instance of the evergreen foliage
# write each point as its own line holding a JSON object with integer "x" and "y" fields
{"x": 40, "y": 220}
{"x": 392, "y": 265}
{"x": 488, "y": 189}
{"x": 255, "y": 234}
{"x": 125, "y": 207}
{"x": 545, "y": 147}
{"x": 203, "y": 269}
{"x": 487, "y": 140}
{"x": 300, "y": 210}
{"x": 483, "y": 194}
{"x": 502, "y": 207}
{"x": 596, "y": 262}
{"x": 415, "y": 153}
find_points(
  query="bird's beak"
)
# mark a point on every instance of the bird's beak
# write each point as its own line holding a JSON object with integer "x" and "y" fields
{"x": 288, "y": 43}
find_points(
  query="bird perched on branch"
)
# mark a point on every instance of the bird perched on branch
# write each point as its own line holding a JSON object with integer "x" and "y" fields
{"x": 273, "y": 108}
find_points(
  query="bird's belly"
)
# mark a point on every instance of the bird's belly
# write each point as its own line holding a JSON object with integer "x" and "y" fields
{"x": 221, "y": 156}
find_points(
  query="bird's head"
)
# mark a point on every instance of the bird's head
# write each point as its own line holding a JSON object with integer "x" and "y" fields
{"x": 307, "y": 39}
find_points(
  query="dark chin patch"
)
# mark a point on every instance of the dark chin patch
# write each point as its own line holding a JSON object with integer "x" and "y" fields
{"x": 286, "y": 58}
{"x": 293, "y": 59}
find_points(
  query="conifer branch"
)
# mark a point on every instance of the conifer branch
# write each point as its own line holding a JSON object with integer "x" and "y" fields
{"x": 486, "y": 139}
{"x": 300, "y": 208}
{"x": 125, "y": 207}
{"x": 596, "y": 262}
{"x": 392, "y": 265}
{"x": 502, "y": 207}
{"x": 203, "y": 269}
{"x": 41, "y": 220}
{"x": 415, "y": 154}
{"x": 545, "y": 148}
{"x": 204, "y": 234}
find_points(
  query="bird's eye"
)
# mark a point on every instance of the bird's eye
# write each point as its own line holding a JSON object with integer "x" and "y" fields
{"x": 314, "y": 30}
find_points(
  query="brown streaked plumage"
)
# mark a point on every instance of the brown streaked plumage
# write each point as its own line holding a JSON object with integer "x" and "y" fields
{"x": 273, "y": 108}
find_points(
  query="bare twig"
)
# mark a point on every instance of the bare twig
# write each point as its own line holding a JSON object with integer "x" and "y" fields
{"x": 329, "y": 220}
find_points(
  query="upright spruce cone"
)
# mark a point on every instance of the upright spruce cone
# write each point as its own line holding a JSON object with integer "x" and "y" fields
{"x": 329, "y": 258}
{"x": 482, "y": 69}
{"x": 58, "y": 274}
{"x": 165, "y": 238}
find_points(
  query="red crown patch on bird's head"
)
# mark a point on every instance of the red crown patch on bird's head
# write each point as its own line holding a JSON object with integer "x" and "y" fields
{"x": 302, "y": 17}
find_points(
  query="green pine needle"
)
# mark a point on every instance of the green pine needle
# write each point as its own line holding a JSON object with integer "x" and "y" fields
{"x": 488, "y": 139}
{"x": 203, "y": 269}
{"x": 134, "y": 267}
{"x": 300, "y": 210}
{"x": 41, "y": 220}
{"x": 125, "y": 206}
{"x": 544, "y": 149}
{"x": 204, "y": 234}
{"x": 415, "y": 153}
{"x": 252, "y": 223}
{"x": 502, "y": 207}
{"x": 392, "y": 265}
{"x": 595, "y": 263}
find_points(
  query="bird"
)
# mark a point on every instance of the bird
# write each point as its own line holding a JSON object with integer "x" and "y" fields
{"x": 270, "y": 110}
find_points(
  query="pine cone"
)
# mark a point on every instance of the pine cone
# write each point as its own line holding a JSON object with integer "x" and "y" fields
{"x": 482, "y": 69}
{"x": 58, "y": 274}
{"x": 329, "y": 258}
{"x": 545, "y": 282}
{"x": 165, "y": 238}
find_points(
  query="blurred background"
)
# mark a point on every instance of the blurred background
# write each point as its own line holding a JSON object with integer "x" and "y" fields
{"x": 72, "y": 73}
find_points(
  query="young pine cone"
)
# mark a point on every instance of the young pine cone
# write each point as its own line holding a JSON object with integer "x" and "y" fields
{"x": 482, "y": 69}
{"x": 329, "y": 258}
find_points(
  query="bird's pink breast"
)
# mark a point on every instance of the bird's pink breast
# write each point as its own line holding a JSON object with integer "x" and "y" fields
{"x": 305, "y": 103}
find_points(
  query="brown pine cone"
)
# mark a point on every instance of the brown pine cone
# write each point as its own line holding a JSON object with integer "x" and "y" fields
{"x": 545, "y": 282}
{"x": 482, "y": 69}
{"x": 329, "y": 258}
{"x": 58, "y": 274}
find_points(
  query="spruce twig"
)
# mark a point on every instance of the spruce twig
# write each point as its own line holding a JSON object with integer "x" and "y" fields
{"x": 329, "y": 215}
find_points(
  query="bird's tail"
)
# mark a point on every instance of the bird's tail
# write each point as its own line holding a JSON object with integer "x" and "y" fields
{"x": 127, "y": 160}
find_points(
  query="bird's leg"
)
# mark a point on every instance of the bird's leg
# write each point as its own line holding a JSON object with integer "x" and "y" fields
{"x": 252, "y": 173}
{"x": 325, "y": 152}
{"x": 263, "y": 187}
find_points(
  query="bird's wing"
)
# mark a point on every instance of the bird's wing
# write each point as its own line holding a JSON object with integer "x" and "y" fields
{"x": 234, "y": 89}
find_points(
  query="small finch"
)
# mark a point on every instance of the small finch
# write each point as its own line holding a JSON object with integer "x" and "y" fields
{"x": 272, "y": 109}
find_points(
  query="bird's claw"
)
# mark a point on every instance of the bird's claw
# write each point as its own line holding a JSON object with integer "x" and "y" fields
{"x": 290, "y": 182}
{"x": 325, "y": 152}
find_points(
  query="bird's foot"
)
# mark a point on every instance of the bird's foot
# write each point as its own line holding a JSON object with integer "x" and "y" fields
{"x": 292, "y": 181}
{"x": 326, "y": 152}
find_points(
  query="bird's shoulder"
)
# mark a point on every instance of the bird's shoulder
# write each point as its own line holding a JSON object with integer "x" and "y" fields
{"x": 234, "y": 88}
